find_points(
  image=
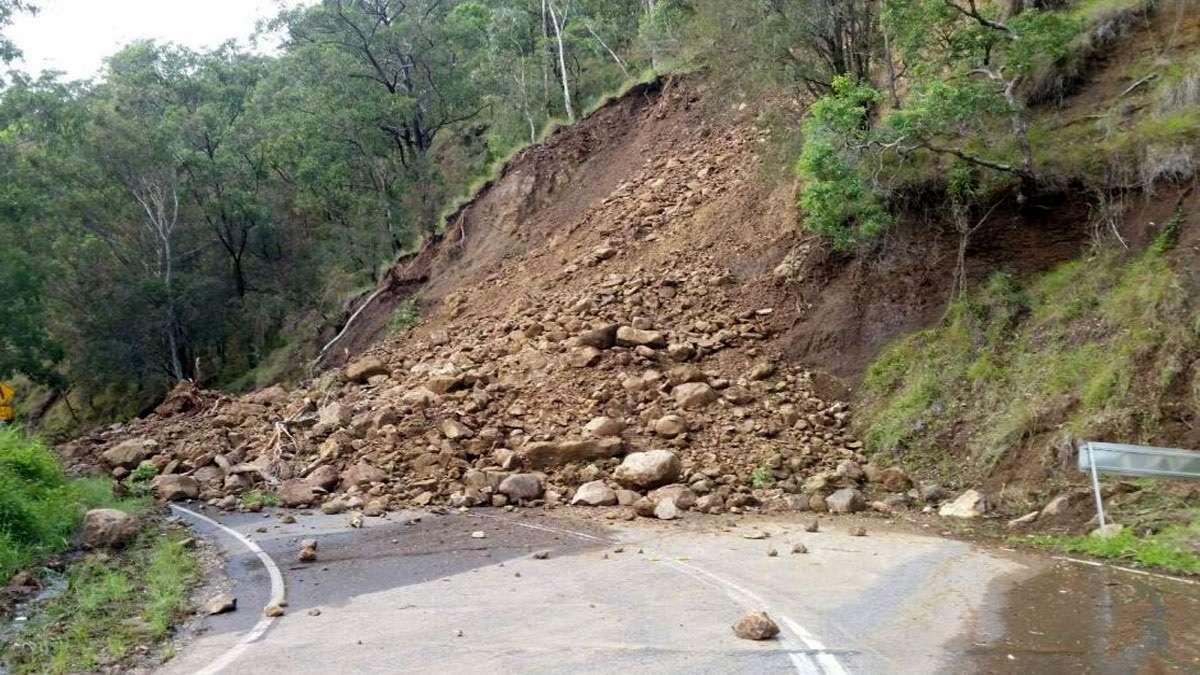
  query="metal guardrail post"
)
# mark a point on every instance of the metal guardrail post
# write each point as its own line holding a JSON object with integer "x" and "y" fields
{"x": 1095, "y": 483}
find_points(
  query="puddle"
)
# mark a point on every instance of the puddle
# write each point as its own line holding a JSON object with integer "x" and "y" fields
{"x": 1080, "y": 619}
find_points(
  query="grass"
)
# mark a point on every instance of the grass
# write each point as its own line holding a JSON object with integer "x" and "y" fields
{"x": 495, "y": 169}
{"x": 1173, "y": 549}
{"x": 111, "y": 609}
{"x": 40, "y": 508}
{"x": 256, "y": 499}
{"x": 762, "y": 478}
{"x": 406, "y": 315}
{"x": 1090, "y": 348}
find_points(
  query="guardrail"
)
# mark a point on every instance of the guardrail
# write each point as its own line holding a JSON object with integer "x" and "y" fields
{"x": 1134, "y": 460}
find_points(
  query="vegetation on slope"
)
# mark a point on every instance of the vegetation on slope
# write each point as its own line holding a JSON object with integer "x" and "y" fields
{"x": 111, "y": 607}
{"x": 1096, "y": 348}
{"x": 40, "y": 508}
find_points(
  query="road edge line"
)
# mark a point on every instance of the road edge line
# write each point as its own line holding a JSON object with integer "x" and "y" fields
{"x": 278, "y": 596}
{"x": 1156, "y": 575}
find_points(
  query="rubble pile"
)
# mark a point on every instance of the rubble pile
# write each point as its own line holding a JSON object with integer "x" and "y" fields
{"x": 586, "y": 372}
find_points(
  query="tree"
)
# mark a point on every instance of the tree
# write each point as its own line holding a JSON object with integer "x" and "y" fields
{"x": 802, "y": 43}
{"x": 8, "y": 9}
{"x": 968, "y": 65}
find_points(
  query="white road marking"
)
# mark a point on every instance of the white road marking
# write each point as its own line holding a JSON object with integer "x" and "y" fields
{"x": 816, "y": 658}
{"x": 277, "y": 595}
{"x": 1131, "y": 570}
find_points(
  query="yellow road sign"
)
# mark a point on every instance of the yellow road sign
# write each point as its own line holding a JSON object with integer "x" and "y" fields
{"x": 6, "y": 397}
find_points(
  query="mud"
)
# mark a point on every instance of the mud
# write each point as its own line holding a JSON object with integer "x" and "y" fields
{"x": 1072, "y": 618}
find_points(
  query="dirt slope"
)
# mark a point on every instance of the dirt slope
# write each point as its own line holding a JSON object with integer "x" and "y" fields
{"x": 739, "y": 337}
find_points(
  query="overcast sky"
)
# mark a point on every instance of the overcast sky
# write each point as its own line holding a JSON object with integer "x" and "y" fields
{"x": 74, "y": 36}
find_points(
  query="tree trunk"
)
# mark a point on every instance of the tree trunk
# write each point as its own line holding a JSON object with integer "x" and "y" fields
{"x": 562, "y": 60}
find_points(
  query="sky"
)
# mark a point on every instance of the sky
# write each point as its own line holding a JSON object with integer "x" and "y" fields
{"x": 74, "y": 36}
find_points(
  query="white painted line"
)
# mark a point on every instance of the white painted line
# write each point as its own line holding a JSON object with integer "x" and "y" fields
{"x": 1094, "y": 563}
{"x": 817, "y": 659}
{"x": 277, "y": 595}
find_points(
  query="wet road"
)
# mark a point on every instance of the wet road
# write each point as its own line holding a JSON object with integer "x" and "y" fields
{"x": 407, "y": 595}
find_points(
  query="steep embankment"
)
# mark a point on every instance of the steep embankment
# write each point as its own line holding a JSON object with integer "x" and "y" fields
{"x": 630, "y": 284}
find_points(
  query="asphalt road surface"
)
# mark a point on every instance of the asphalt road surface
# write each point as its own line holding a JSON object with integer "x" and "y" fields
{"x": 415, "y": 592}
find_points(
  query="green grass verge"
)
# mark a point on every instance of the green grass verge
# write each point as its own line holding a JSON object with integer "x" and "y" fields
{"x": 112, "y": 608}
{"x": 1173, "y": 549}
{"x": 40, "y": 508}
{"x": 1094, "y": 346}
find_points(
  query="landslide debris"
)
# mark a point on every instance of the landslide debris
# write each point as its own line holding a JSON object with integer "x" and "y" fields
{"x": 618, "y": 360}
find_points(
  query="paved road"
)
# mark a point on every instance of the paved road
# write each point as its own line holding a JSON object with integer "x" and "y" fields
{"x": 426, "y": 596}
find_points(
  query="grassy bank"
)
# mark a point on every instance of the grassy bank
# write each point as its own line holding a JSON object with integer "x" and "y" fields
{"x": 1097, "y": 347}
{"x": 113, "y": 603}
{"x": 40, "y": 508}
{"x": 114, "y": 606}
{"x": 1171, "y": 548}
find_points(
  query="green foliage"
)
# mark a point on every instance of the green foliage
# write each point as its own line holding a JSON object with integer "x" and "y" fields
{"x": 1171, "y": 549}
{"x": 139, "y": 481}
{"x": 39, "y": 507}
{"x": 1096, "y": 344}
{"x": 254, "y": 500}
{"x": 193, "y": 211}
{"x": 838, "y": 202}
{"x": 110, "y": 608}
{"x": 762, "y": 477}
{"x": 406, "y": 315}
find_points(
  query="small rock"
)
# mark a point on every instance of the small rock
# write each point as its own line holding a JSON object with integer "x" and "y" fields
{"x": 648, "y": 469}
{"x": 814, "y": 526}
{"x": 858, "y": 531}
{"x": 1024, "y": 520}
{"x": 594, "y": 493}
{"x": 314, "y": 612}
{"x": 755, "y": 626}
{"x": 365, "y": 368}
{"x": 273, "y": 611}
{"x": 541, "y": 555}
{"x": 846, "y": 500}
{"x": 798, "y": 549}
{"x": 220, "y": 604}
{"x": 666, "y": 510}
{"x": 970, "y": 504}
{"x": 522, "y": 486}
{"x": 772, "y": 552}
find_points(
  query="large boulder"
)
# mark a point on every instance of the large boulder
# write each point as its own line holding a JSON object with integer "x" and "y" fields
{"x": 544, "y": 454}
{"x": 628, "y": 336}
{"x": 522, "y": 486}
{"x": 894, "y": 479}
{"x": 324, "y": 476}
{"x": 363, "y": 474}
{"x": 108, "y": 528}
{"x": 128, "y": 454}
{"x": 970, "y": 504}
{"x": 365, "y": 368}
{"x": 595, "y": 493}
{"x": 599, "y": 338}
{"x": 846, "y": 500}
{"x": 670, "y": 426}
{"x": 173, "y": 487}
{"x": 296, "y": 493}
{"x": 683, "y": 496}
{"x": 648, "y": 469}
{"x": 602, "y": 427}
{"x": 694, "y": 395}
